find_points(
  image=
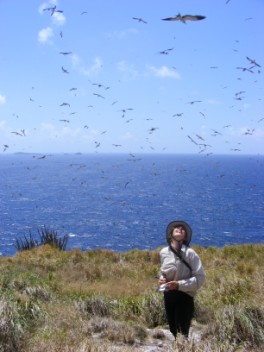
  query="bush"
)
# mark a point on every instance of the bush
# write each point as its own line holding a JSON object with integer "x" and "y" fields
{"x": 153, "y": 309}
{"x": 238, "y": 324}
{"x": 95, "y": 306}
{"x": 26, "y": 244}
{"x": 9, "y": 330}
{"x": 47, "y": 236}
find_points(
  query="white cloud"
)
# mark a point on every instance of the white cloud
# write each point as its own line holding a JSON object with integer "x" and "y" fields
{"x": 246, "y": 106}
{"x": 75, "y": 59}
{"x": 48, "y": 129}
{"x": 62, "y": 138}
{"x": 127, "y": 68}
{"x": 2, "y": 124}
{"x": 51, "y": 131}
{"x": 213, "y": 101}
{"x": 58, "y": 18}
{"x": 94, "y": 69}
{"x": 164, "y": 71}
{"x": 46, "y": 5}
{"x": 127, "y": 136}
{"x": 45, "y": 34}
{"x": 2, "y": 99}
{"x": 41, "y": 8}
{"x": 122, "y": 34}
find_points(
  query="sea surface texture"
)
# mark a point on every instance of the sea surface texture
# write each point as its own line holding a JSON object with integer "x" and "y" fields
{"x": 123, "y": 202}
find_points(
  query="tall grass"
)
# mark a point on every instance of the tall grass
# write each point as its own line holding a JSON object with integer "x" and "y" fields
{"x": 53, "y": 300}
{"x": 46, "y": 236}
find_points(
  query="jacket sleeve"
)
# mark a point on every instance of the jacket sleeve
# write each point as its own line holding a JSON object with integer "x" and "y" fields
{"x": 197, "y": 279}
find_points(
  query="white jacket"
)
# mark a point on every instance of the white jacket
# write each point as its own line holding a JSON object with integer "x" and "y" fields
{"x": 175, "y": 270}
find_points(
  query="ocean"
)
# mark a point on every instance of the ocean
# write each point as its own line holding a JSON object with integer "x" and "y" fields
{"x": 124, "y": 201}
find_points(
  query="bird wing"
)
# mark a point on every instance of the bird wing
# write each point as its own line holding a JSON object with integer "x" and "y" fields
{"x": 176, "y": 18}
{"x": 193, "y": 17}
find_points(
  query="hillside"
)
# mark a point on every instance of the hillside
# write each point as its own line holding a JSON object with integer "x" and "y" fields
{"x": 52, "y": 300}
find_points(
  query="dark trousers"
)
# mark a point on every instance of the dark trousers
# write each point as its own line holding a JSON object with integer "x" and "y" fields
{"x": 179, "y": 308}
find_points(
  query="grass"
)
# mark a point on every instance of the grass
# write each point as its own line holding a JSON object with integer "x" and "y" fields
{"x": 54, "y": 300}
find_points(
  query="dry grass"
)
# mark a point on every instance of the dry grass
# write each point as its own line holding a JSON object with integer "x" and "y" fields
{"x": 51, "y": 300}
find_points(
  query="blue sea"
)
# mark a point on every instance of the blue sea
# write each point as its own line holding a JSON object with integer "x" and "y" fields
{"x": 124, "y": 201}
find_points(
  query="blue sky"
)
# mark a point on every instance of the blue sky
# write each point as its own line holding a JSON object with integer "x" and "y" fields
{"x": 128, "y": 86}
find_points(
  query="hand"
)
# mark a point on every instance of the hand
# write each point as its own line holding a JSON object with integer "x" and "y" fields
{"x": 172, "y": 285}
{"x": 162, "y": 280}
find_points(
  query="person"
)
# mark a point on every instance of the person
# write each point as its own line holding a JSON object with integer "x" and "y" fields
{"x": 181, "y": 275}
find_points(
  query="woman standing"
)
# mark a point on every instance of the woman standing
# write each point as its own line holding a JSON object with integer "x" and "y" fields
{"x": 181, "y": 275}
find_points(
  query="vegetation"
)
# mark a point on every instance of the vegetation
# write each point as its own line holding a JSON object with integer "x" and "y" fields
{"x": 46, "y": 236}
{"x": 96, "y": 301}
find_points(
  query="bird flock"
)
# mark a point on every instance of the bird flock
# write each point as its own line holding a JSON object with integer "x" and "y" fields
{"x": 199, "y": 142}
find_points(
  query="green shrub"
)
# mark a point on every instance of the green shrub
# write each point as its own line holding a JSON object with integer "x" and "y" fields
{"x": 46, "y": 236}
{"x": 153, "y": 311}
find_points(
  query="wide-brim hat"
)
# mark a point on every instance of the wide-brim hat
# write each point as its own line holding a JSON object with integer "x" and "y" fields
{"x": 175, "y": 223}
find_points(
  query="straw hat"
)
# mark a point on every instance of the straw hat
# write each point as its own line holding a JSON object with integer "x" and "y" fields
{"x": 175, "y": 223}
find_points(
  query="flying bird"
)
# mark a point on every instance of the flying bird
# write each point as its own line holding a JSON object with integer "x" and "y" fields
{"x": 246, "y": 69}
{"x": 53, "y": 10}
{"x": 152, "y": 129}
{"x": 178, "y": 114}
{"x": 165, "y": 52}
{"x": 249, "y": 132}
{"x": 139, "y": 20}
{"x": 184, "y": 18}
{"x": 215, "y": 133}
{"x": 21, "y": 133}
{"x": 194, "y": 101}
{"x": 64, "y": 70}
{"x": 99, "y": 95}
{"x": 253, "y": 62}
{"x": 192, "y": 140}
{"x": 200, "y": 137}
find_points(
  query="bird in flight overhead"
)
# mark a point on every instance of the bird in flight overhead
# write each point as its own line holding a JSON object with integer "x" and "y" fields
{"x": 65, "y": 104}
{"x": 165, "y": 52}
{"x": 253, "y": 62}
{"x": 246, "y": 69}
{"x": 139, "y": 20}
{"x": 64, "y": 70}
{"x": 52, "y": 10}
{"x": 17, "y": 133}
{"x": 194, "y": 101}
{"x": 184, "y": 18}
